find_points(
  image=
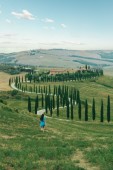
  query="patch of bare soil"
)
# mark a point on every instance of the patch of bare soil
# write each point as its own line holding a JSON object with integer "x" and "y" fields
{"x": 7, "y": 137}
{"x": 82, "y": 162}
{"x": 55, "y": 131}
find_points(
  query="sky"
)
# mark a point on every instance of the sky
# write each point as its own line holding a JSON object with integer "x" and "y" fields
{"x": 48, "y": 24}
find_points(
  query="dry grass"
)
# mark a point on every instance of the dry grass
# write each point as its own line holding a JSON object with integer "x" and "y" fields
{"x": 4, "y": 80}
{"x": 78, "y": 157}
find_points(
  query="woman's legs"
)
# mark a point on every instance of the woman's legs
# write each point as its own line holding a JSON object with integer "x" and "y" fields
{"x": 42, "y": 128}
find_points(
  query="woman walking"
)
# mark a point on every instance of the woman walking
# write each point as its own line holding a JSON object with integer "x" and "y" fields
{"x": 42, "y": 122}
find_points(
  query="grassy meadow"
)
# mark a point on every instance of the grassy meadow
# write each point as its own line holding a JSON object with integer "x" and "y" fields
{"x": 65, "y": 144}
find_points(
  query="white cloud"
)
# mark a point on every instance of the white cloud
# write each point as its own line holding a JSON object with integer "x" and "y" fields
{"x": 48, "y": 20}
{"x": 0, "y": 11}
{"x": 7, "y": 36}
{"x": 72, "y": 42}
{"x": 24, "y": 15}
{"x": 8, "y": 21}
{"x": 63, "y": 26}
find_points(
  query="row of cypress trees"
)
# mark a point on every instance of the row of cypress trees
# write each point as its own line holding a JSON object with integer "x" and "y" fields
{"x": 62, "y": 91}
{"x": 42, "y": 89}
{"x": 53, "y": 102}
{"x": 77, "y": 76}
{"x": 94, "y": 111}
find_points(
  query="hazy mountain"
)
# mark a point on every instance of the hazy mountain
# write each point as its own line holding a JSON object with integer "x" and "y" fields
{"x": 59, "y": 58}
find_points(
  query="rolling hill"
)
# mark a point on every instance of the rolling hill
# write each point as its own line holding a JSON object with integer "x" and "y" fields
{"x": 60, "y": 58}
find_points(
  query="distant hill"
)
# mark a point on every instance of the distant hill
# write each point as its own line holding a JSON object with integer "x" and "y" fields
{"x": 60, "y": 58}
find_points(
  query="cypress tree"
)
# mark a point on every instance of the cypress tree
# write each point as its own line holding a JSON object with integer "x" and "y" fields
{"x": 93, "y": 109}
{"x": 86, "y": 110}
{"x": 61, "y": 100}
{"x": 36, "y": 104}
{"x": 53, "y": 101}
{"x": 63, "y": 89}
{"x": 86, "y": 67}
{"x": 22, "y": 79}
{"x": 10, "y": 82}
{"x": 29, "y": 104}
{"x": 16, "y": 81}
{"x": 79, "y": 110}
{"x": 19, "y": 79}
{"x": 102, "y": 112}
{"x": 72, "y": 111}
{"x": 59, "y": 90}
{"x": 42, "y": 100}
{"x": 67, "y": 104}
{"x": 57, "y": 105}
{"x": 78, "y": 96}
{"x": 46, "y": 103}
{"x": 44, "y": 89}
{"x": 51, "y": 107}
{"x": 54, "y": 90}
{"x": 108, "y": 109}
{"x": 18, "y": 86}
{"x": 71, "y": 99}
{"x": 67, "y": 92}
{"x": 49, "y": 89}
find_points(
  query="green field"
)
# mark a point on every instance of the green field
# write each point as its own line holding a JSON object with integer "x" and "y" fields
{"x": 65, "y": 144}
{"x": 98, "y": 89}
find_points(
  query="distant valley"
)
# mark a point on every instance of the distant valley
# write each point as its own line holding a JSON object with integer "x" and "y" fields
{"x": 60, "y": 58}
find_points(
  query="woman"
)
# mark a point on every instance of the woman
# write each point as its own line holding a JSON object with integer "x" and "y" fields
{"x": 42, "y": 122}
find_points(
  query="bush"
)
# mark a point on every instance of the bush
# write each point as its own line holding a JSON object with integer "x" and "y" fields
{"x": 2, "y": 101}
{"x": 16, "y": 110}
{"x": 14, "y": 92}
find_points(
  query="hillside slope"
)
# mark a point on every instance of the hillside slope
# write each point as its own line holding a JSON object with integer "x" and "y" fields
{"x": 60, "y": 58}
{"x": 65, "y": 145}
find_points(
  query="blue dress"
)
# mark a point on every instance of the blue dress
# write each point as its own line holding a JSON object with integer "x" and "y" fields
{"x": 42, "y": 123}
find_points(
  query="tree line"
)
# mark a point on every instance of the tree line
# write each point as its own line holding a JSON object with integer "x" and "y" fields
{"x": 47, "y": 77}
{"x": 77, "y": 76}
{"x": 52, "y": 102}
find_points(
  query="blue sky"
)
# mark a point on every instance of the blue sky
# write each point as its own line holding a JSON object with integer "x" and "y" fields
{"x": 69, "y": 24}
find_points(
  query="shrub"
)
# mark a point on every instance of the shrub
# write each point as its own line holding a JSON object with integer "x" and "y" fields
{"x": 2, "y": 101}
{"x": 14, "y": 92}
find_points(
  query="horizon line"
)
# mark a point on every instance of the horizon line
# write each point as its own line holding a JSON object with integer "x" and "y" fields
{"x": 57, "y": 49}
